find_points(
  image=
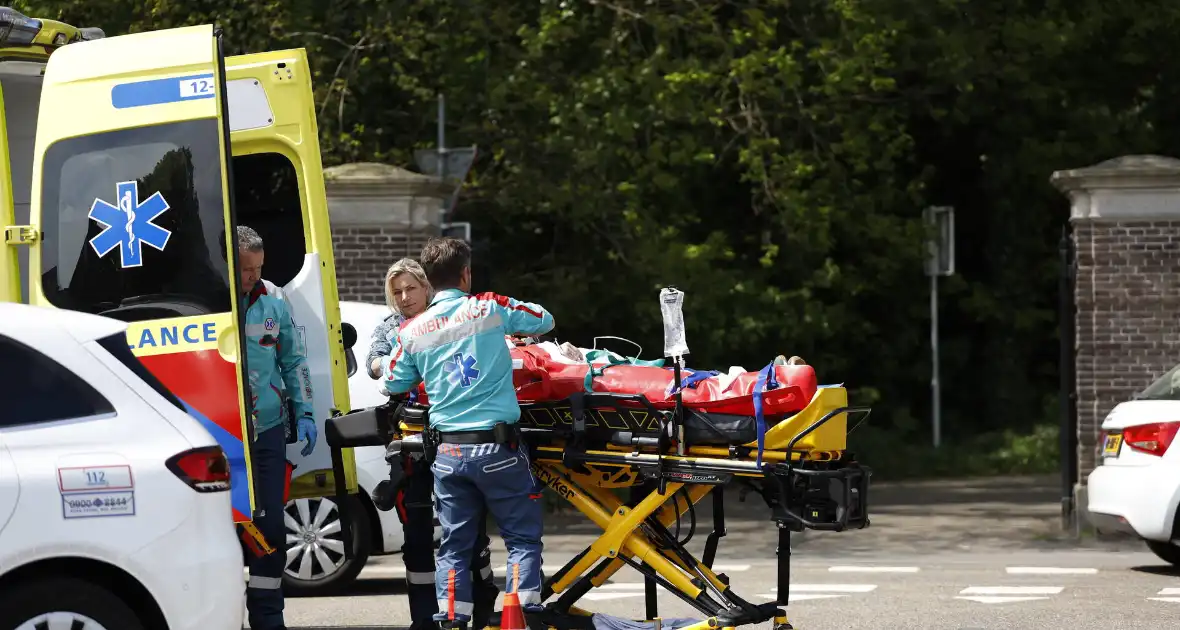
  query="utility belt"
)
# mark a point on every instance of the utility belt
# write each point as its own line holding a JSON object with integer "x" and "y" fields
{"x": 500, "y": 433}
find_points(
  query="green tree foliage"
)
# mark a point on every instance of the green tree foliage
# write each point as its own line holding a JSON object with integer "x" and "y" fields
{"x": 772, "y": 159}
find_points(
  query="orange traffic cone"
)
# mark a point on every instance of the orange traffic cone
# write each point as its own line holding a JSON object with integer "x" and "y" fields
{"x": 511, "y": 616}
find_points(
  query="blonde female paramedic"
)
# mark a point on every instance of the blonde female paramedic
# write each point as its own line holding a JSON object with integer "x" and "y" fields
{"x": 408, "y": 293}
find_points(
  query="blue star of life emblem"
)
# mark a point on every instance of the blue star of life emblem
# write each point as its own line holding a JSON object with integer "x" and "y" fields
{"x": 460, "y": 369}
{"x": 128, "y": 225}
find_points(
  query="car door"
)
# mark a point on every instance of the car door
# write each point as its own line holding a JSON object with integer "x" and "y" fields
{"x": 9, "y": 485}
{"x": 279, "y": 188}
{"x": 132, "y": 196}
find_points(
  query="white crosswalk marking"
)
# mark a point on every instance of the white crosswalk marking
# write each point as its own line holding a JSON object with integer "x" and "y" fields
{"x": 382, "y": 571}
{"x": 1050, "y": 571}
{"x": 1167, "y": 595}
{"x": 550, "y": 569}
{"x": 631, "y": 585}
{"x": 872, "y": 569}
{"x": 731, "y": 568}
{"x": 619, "y": 590}
{"x": 1007, "y": 594}
{"x": 597, "y": 596}
{"x": 803, "y": 592}
{"x": 399, "y": 570}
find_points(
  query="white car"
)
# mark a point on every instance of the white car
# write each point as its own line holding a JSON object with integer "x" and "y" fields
{"x": 316, "y": 563}
{"x": 114, "y": 502}
{"x": 1136, "y": 488}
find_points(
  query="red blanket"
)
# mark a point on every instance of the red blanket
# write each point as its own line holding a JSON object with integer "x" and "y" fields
{"x": 539, "y": 378}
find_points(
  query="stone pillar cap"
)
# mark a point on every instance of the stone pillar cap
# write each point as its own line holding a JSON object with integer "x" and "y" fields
{"x": 1130, "y": 187}
{"x": 370, "y": 194}
{"x": 377, "y": 179}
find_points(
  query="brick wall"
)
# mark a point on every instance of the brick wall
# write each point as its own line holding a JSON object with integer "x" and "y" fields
{"x": 364, "y": 253}
{"x": 1127, "y": 327}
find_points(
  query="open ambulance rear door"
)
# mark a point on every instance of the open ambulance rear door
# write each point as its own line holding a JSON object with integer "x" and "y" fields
{"x": 279, "y": 192}
{"x": 132, "y": 205}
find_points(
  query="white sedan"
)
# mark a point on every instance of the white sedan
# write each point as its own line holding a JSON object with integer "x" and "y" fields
{"x": 324, "y": 570}
{"x": 1136, "y": 489}
{"x": 114, "y": 502}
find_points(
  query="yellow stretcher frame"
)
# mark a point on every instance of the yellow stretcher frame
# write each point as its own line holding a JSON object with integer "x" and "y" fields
{"x": 802, "y": 453}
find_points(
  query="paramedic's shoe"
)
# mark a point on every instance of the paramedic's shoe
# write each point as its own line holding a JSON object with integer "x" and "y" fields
{"x": 493, "y": 621}
{"x": 484, "y": 613}
{"x": 460, "y": 622}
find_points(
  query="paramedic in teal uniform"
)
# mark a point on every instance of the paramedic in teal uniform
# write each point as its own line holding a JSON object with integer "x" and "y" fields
{"x": 275, "y": 360}
{"x": 457, "y": 348}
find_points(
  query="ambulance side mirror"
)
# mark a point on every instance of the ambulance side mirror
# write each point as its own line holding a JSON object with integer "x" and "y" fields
{"x": 348, "y": 332}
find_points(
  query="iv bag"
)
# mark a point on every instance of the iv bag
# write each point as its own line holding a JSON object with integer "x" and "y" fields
{"x": 671, "y": 301}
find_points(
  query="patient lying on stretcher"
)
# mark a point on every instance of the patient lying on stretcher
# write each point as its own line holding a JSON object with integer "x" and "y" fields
{"x": 549, "y": 372}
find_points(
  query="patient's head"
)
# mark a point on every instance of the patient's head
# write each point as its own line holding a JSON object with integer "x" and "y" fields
{"x": 406, "y": 289}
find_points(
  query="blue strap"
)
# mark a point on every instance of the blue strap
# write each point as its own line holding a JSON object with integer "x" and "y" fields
{"x": 691, "y": 380}
{"x": 766, "y": 380}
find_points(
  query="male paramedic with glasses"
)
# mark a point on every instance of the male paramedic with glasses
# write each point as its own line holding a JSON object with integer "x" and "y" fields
{"x": 275, "y": 359}
{"x": 457, "y": 347}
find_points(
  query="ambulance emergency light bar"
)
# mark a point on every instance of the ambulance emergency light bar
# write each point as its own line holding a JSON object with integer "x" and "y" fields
{"x": 17, "y": 29}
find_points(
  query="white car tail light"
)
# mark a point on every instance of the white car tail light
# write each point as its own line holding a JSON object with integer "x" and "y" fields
{"x": 1153, "y": 439}
{"x": 204, "y": 469}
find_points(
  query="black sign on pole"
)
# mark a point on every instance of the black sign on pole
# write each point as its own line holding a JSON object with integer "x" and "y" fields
{"x": 452, "y": 167}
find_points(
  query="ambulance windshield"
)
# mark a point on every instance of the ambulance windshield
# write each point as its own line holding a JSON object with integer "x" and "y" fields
{"x": 133, "y": 223}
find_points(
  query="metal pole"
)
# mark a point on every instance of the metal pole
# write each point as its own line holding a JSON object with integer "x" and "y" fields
{"x": 1068, "y": 430}
{"x": 442, "y": 154}
{"x": 936, "y": 397}
{"x": 442, "y": 137}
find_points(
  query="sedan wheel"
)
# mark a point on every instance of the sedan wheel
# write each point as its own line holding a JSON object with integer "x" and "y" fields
{"x": 61, "y": 621}
{"x": 64, "y": 603}
{"x": 314, "y": 545}
{"x": 315, "y": 562}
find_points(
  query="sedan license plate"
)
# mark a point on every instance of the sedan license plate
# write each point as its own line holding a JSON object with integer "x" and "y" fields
{"x": 1111, "y": 448}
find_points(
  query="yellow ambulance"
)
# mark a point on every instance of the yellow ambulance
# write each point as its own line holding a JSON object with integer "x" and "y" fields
{"x": 126, "y": 164}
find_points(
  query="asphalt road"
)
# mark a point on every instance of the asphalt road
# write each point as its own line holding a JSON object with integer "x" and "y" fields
{"x": 950, "y": 555}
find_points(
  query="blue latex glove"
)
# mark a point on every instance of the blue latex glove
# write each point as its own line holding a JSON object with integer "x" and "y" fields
{"x": 305, "y": 431}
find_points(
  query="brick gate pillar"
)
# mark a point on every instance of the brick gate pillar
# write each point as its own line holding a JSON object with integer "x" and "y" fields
{"x": 1125, "y": 216}
{"x": 379, "y": 213}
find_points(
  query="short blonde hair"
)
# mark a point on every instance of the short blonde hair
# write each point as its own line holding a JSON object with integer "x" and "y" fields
{"x": 410, "y": 266}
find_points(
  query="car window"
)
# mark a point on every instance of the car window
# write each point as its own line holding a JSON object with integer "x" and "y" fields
{"x": 1166, "y": 387}
{"x": 117, "y": 346}
{"x": 35, "y": 388}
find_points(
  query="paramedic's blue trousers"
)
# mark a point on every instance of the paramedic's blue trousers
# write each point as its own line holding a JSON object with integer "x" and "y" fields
{"x": 264, "y": 595}
{"x": 414, "y": 503}
{"x": 467, "y": 478}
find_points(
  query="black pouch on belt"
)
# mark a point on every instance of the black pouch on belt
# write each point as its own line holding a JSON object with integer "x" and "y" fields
{"x": 504, "y": 433}
{"x": 430, "y": 441}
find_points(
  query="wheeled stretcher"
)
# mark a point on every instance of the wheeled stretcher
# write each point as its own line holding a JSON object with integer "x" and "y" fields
{"x": 672, "y": 437}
